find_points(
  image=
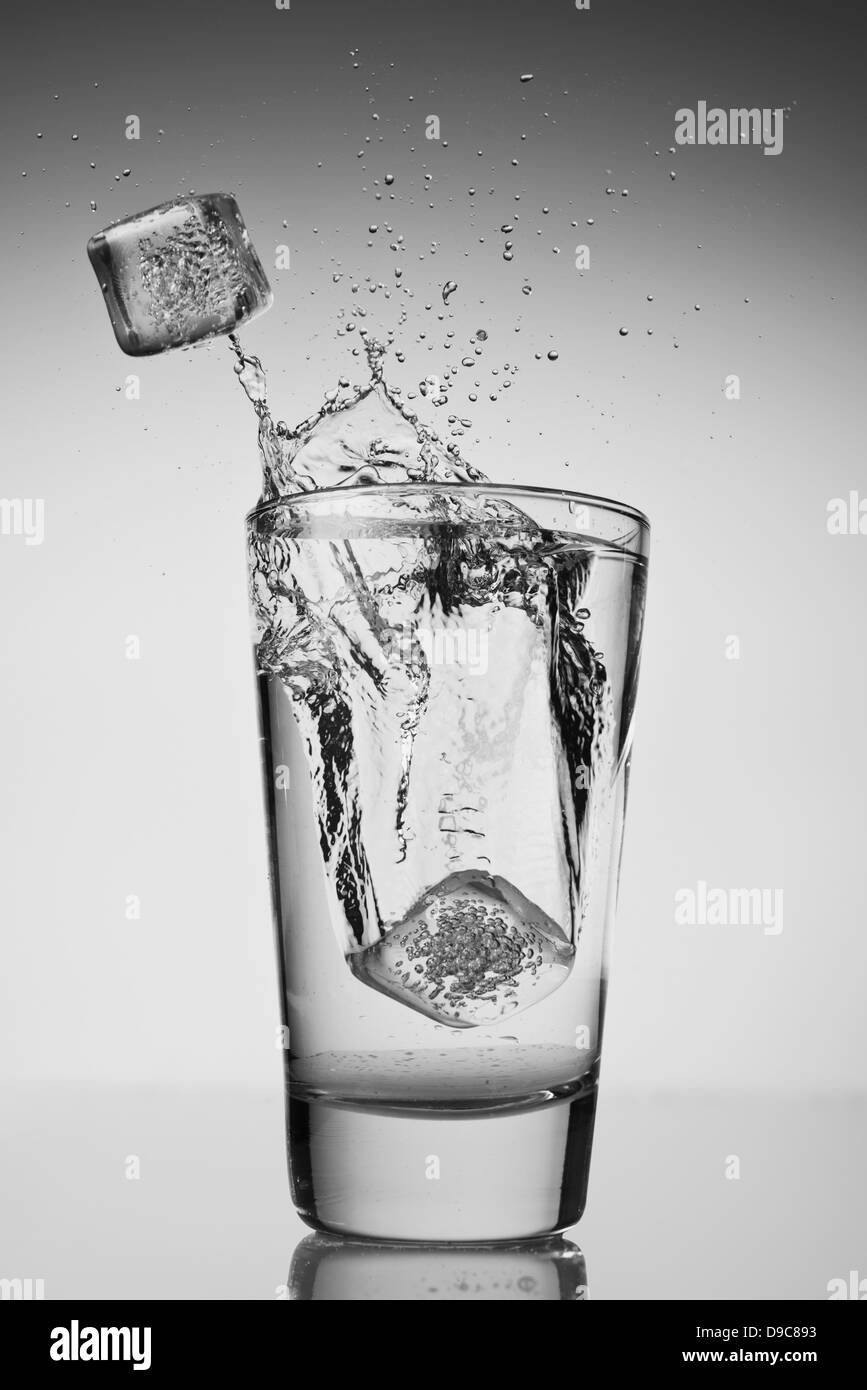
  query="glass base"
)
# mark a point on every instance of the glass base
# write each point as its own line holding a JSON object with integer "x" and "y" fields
{"x": 459, "y": 1175}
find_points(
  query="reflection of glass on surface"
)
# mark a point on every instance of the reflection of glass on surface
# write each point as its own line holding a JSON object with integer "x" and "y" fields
{"x": 445, "y": 820}
{"x": 325, "y": 1268}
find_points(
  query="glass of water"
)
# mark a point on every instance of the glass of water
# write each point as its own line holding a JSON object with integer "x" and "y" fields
{"x": 447, "y": 680}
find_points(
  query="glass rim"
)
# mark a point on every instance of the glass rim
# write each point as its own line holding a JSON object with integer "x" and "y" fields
{"x": 585, "y": 499}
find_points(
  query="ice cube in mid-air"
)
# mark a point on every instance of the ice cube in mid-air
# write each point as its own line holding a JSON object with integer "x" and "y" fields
{"x": 178, "y": 273}
{"x": 472, "y": 951}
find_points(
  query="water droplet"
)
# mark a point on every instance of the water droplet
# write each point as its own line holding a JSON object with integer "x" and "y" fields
{"x": 526, "y": 289}
{"x": 624, "y": 332}
{"x": 697, "y": 308}
{"x": 527, "y": 76}
{"x": 591, "y": 221}
{"x": 650, "y": 299}
{"x": 39, "y": 135}
{"x": 126, "y": 173}
{"x": 508, "y": 255}
{"x": 374, "y": 227}
{"x": 672, "y": 174}
{"x": 24, "y": 173}
{"x": 553, "y": 356}
{"x": 75, "y": 137}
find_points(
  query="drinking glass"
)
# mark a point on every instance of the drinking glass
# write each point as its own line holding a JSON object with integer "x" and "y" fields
{"x": 447, "y": 679}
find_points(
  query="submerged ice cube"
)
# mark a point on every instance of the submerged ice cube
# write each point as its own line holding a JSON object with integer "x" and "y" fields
{"x": 473, "y": 951}
{"x": 180, "y": 272}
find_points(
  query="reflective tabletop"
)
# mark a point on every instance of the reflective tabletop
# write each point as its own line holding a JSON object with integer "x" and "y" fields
{"x": 177, "y": 1194}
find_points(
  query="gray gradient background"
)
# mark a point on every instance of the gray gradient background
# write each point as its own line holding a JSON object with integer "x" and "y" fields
{"x": 142, "y": 778}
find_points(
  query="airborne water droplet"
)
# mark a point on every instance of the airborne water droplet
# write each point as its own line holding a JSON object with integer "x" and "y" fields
{"x": 553, "y": 356}
{"x": 526, "y": 76}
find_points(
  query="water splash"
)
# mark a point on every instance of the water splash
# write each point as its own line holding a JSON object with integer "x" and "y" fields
{"x": 360, "y": 435}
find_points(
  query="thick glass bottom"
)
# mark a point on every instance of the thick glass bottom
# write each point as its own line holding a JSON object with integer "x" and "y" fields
{"x": 402, "y": 1174}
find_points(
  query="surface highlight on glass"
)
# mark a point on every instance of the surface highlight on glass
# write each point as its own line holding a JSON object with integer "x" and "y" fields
{"x": 447, "y": 678}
